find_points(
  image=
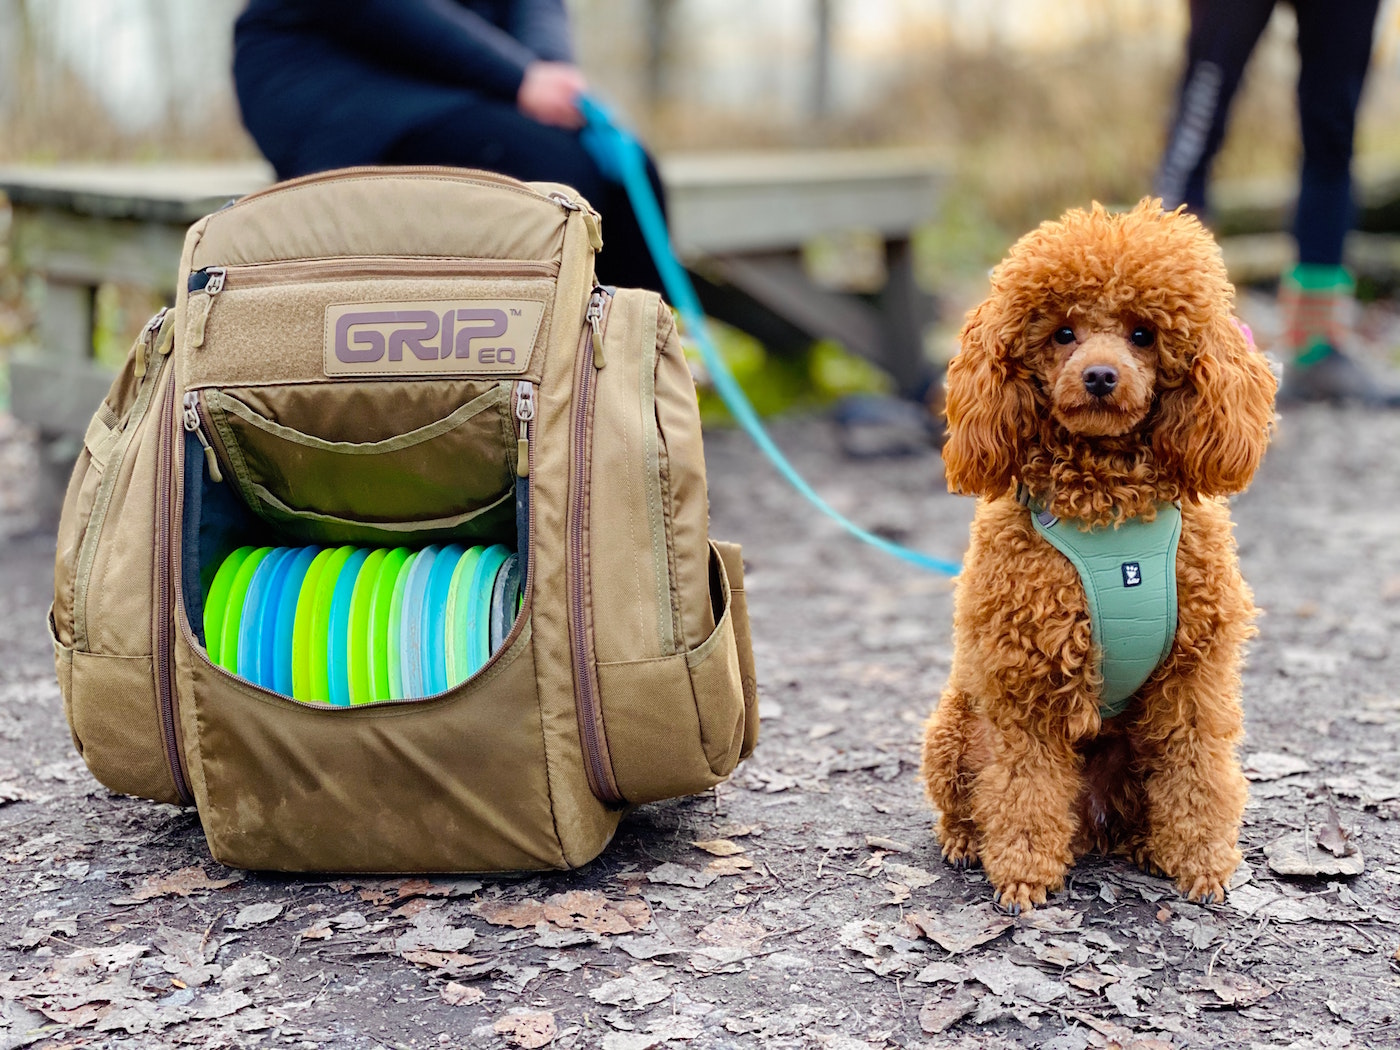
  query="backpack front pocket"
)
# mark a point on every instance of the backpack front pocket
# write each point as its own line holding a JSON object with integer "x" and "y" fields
{"x": 453, "y": 784}
{"x": 433, "y": 459}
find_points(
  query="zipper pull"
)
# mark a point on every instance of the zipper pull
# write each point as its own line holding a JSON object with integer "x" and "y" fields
{"x": 210, "y": 281}
{"x": 193, "y": 425}
{"x": 143, "y": 342}
{"x": 595, "y": 321}
{"x": 524, "y": 412}
{"x": 590, "y": 218}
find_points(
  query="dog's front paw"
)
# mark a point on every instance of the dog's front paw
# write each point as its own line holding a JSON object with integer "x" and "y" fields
{"x": 1018, "y": 897}
{"x": 1203, "y": 889}
{"x": 959, "y": 841}
{"x": 1142, "y": 857}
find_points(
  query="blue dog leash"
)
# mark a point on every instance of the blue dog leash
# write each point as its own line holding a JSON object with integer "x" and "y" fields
{"x": 620, "y": 157}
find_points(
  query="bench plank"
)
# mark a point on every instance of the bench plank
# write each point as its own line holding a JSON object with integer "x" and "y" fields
{"x": 746, "y": 214}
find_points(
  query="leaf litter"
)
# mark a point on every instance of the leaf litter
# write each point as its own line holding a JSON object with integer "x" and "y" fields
{"x": 843, "y": 930}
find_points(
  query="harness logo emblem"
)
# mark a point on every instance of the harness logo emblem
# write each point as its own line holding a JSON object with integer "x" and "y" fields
{"x": 1132, "y": 574}
{"x": 460, "y": 337}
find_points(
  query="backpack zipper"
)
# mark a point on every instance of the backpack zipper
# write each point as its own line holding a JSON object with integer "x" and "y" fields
{"x": 592, "y": 733}
{"x": 155, "y": 339}
{"x": 212, "y": 280}
{"x": 205, "y": 284}
{"x": 524, "y": 415}
{"x": 437, "y": 171}
{"x": 165, "y": 650}
{"x": 193, "y": 417}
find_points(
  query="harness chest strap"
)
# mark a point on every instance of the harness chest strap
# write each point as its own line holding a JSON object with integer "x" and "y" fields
{"x": 1129, "y": 579}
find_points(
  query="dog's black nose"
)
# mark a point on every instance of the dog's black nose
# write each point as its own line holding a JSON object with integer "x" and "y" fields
{"x": 1100, "y": 380}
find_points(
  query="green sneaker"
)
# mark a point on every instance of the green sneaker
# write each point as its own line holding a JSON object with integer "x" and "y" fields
{"x": 1316, "y": 302}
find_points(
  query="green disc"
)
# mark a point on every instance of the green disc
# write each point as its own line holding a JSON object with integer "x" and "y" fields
{"x": 455, "y": 620}
{"x": 359, "y": 641}
{"x": 321, "y": 623}
{"x": 394, "y": 662}
{"x": 233, "y": 611}
{"x": 381, "y": 600}
{"x": 302, "y": 625}
{"x": 216, "y": 602}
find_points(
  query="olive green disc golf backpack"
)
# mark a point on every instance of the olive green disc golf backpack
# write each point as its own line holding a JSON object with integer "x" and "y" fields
{"x": 399, "y": 358}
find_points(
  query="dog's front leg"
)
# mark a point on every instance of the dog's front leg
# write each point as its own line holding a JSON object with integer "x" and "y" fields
{"x": 1195, "y": 800}
{"x": 1023, "y": 803}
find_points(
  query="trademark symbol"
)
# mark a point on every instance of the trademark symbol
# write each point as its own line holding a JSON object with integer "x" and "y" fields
{"x": 515, "y": 311}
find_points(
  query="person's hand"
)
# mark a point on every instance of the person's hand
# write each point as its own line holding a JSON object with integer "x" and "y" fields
{"x": 549, "y": 93}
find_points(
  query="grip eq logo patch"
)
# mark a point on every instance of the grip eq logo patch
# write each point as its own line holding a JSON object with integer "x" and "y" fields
{"x": 459, "y": 337}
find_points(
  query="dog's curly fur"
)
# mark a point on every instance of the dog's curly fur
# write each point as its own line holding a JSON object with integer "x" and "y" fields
{"x": 1016, "y": 758}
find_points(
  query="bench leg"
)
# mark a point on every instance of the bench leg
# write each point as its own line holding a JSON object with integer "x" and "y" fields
{"x": 906, "y": 311}
{"x": 771, "y": 297}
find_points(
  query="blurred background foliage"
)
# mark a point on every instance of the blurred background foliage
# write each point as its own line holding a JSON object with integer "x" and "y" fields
{"x": 1036, "y": 104}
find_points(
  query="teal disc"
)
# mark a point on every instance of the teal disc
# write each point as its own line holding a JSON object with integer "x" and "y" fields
{"x": 479, "y": 612}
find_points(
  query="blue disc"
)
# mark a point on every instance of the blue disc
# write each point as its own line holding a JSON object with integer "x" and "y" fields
{"x": 338, "y": 643}
{"x": 411, "y": 641}
{"x": 279, "y": 625}
{"x": 434, "y": 615}
{"x": 479, "y": 607}
{"x": 251, "y": 631}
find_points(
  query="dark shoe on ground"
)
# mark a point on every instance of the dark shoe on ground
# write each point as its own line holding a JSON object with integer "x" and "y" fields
{"x": 873, "y": 426}
{"x": 1338, "y": 379}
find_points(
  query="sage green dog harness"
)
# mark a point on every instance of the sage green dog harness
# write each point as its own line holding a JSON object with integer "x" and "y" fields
{"x": 1129, "y": 578}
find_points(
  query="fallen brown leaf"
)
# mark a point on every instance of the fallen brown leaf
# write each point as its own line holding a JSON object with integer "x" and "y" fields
{"x": 450, "y": 963}
{"x": 962, "y": 930}
{"x": 520, "y": 914}
{"x": 455, "y": 994}
{"x": 177, "y": 884}
{"x": 575, "y": 910}
{"x": 939, "y": 1015}
{"x": 528, "y": 1030}
{"x": 889, "y": 845}
{"x": 1334, "y": 838}
{"x": 719, "y": 847}
{"x": 729, "y": 865}
{"x": 732, "y": 931}
{"x": 1235, "y": 990}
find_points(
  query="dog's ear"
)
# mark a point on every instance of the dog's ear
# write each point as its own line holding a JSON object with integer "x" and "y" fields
{"x": 1213, "y": 428}
{"x": 991, "y": 409}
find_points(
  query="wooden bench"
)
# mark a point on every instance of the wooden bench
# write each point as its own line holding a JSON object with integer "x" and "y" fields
{"x": 739, "y": 221}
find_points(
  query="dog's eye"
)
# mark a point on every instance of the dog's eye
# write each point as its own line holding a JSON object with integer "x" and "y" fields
{"x": 1064, "y": 336}
{"x": 1142, "y": 336}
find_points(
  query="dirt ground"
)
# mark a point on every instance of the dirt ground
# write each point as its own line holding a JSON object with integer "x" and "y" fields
{"x": 804, "y": 903}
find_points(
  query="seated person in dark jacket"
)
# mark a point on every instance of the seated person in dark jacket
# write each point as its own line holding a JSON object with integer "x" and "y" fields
{"x": 470, "y": 83}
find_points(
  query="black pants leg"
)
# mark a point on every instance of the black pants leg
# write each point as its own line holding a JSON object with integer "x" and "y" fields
{"x": 497, "y": 137}
{"x": 1334, "y": 47}
{"x": 1222, "y": 36}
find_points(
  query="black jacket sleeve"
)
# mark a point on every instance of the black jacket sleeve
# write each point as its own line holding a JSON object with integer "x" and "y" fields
{"x": 543, "y": 27}
{"x": 438, "y": 39}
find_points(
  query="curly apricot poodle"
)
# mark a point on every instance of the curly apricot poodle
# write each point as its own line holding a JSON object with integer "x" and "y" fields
{"x": 1103, "y": 379}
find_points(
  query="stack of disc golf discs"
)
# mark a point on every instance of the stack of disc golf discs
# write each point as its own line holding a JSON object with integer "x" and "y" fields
{"x": 346, "y": 625}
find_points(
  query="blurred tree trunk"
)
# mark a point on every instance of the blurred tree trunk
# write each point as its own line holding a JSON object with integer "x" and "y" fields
{"x": 16, "y": 56}
{"x": 660, "y": 23}
{"x": 821, "y": 59}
